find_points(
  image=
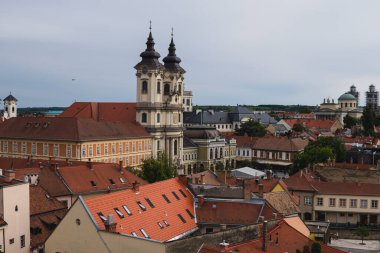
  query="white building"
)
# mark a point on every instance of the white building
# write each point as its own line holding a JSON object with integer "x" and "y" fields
{"x": 10, "y": 107}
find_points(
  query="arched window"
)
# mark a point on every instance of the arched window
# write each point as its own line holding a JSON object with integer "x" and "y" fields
{"x": 166, "y": 89}
{"x": 211, "y": 154}
{"x": 144, "y": 87}
{"x": 144, "y": 118}
{"x": 221, "y": 152}
{"x": 158, "y": 88}
{"x": 175, "y": 147}
{"x": 158, "y": 118}
{"x": 345, "y": 104}
{"x": 13, "y": 109}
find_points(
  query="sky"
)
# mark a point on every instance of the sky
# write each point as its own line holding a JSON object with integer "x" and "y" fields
{"x": 235, "y": 52}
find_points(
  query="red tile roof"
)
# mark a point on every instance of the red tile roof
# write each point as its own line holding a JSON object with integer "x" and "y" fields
{"x": 68, "y": 129}
{"x": 116, "y": 112}
{"x": 42, "y": 202}
{"x": 147, "y": 220}
{"x": 276, "y": 143}
{"x": 209, "y": 178}
{"x": 312, "y": 123}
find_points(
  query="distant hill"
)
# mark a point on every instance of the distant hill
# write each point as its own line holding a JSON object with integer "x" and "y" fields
{"x": 39, "y": 110}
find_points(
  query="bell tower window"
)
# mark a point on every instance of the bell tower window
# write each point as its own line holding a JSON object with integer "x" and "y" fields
{"x": 144, "y": 118}
{"x": 166, "y": 89}
{"x": 158, "y": 88}
{"x": 144, "y": 87}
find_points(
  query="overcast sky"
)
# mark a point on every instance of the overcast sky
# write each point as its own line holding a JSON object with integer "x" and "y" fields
{"x": 234, "y": 52}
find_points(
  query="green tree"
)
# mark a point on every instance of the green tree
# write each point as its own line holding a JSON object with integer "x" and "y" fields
{"x": 316, "y": 248}
{"x": 251, "y": 128}
{"x": 362, "y": 231}
{"x": 349, "y": 121}
{"x": 298, "y": 251}
{"x": 153, "y": 170}
{"x": 368, "y": 121}
{"x": 219, "y": 165}
{"x": 306, "y": 249}
{"x": 298, "y": 127}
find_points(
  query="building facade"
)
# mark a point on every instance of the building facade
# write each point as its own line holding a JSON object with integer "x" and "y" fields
{"x": 10, "y": 107}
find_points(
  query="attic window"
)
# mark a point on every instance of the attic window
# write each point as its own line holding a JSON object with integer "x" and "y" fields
{"x": 183, "y": 193}
{"x": 133, "y": 233}
{"x": 102, "y": 217}
{"x": 181, "y": 218}
{"x": 166, "y": 223}
{"x": 144, "y": 233}
{"x": 190, "y": 214}
{"x": 141, "y": 205}
{"x": 121, "y": 215}
{"x": 166, "y": 198}
{"x": 112, "y": 182}
{"x": 175, "y": 195}
{"x": 122, "y": 180}
{"x": 160, "y": 225}
{"x": 149, "y": 202}
{"x": 93, "y": 183}
{"x": 127, "y": 210}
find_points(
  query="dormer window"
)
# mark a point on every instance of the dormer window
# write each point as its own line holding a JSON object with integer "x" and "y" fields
{"x": 144, "y": 87}
{"x": 119, "y": 213}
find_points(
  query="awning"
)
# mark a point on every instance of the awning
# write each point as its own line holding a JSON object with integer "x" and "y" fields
{"x": 273, "y": 162}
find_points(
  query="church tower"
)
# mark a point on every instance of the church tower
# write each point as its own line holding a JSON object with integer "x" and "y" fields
{"x": 10, "y": 107}
{"x": 159, "y": 100}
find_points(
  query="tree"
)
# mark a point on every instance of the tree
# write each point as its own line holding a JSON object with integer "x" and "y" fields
{"x": 316, "y": 248}
{"x": 298, "y": 251}
{"x": 159, "y": 169}
{"x": 298, "y": 127}
{"x": 306, "y": 249}
{"x": 368, "y": 121}
{"x": 362, "y": 231}
{"x": 251, "y": 128}
{"x": 219, "y": 166}
{"x": 349, "y": 121}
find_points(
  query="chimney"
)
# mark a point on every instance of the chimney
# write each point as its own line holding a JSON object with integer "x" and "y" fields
{"x": 265, "y": 227}
{"x": 9, "y": 175}
{"x": 301, "y": 173}
{"x": 136, "y": 186}
{"x": 110, "y": 224}
{"x": 247, "y": 193}
{"x": 183, "y": 179}
{"x": 261, "y": 190}
{"x": 202, "y": 178}
{"x": 269, "y": 174}
{"x": 89, "y": 163}
{"x": 121, "y": 165}
{"x": 201, "y": 200}
{"x": 196, "y": 180}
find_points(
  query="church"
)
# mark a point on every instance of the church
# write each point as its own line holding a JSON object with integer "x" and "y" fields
{"x": 10, "y": 107}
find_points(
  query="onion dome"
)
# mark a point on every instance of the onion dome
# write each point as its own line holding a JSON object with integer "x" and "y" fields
{"x": 171, "y": 61}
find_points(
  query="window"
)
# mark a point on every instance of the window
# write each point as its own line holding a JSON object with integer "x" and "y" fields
{"x": 102, "y": 217}
{"x": 211, "y": 154}
{"x": 363, "y": 203}
{"x": 144, "y": 118}
{"x": 5, "y": 147}
{"x": 90, "y": 151}
{"x": 133, "y": 233}
{"x": 120, "y": 148}
{"x": 105, "y": 148}
{"x": 142, "y": 207}
{"x": 181, "y": 218}
{"x": 319, "y": 201}
{"x": 342, "y": 202}
{"x": 127, "y": 210}
{"x": 353, "y": 203}
{"x": 158, "y": 88}
{"x": 118, "y": 212}
{"x": 68, "y": 151}
{"x": 149, "y": 202}
{"x": 332, "y": 202}
{"x": 113, "y": 148}
{"x": 127, "y": 147}
{"x": 166, "y": 198}
{"x": 11, "y": 241}
{"x": 133, "y": 147}
{"x": 84, "y": 151}
{"x": 46, "y": 150}
{"x": 175, "y": 195}
{"x": 183, "y": 193}
{"x": 144, "y": 87}
{"x": 158, "y": 118}
{"x": 307, "y": 201}
{"x": 160, "y": 225}
{"x": 140, "y": 146}
{"x": 166, "y": 89}
{"x": 374, "y": 204}
{"x": 56, "y": 150}
{"x": 15, "y": 147}
{"x": 98, "y": 149}
{"x": 342, "y": 214}
{"x": 166, "y": 223}
{"x": 34, "y": 149}
{"x": 144, "y": 233}
{"x": 111, "y": 181}
{"x": 23, "y": 148}
{"x": 93, "y": 183}
{"x": 175, "y": 147}
{"x": 180, "y": 89}
{"x": 190, "y": 214}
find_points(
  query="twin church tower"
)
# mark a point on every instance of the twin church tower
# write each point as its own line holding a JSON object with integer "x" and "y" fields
{"x": 159, "y": 103}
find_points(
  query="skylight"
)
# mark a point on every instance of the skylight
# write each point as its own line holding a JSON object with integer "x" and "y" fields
{"x": 175, "y": 195}
{"x": 144, "y": 233}
{"x": 166, "y": 198}
{"x": 102, "y": 217}
{"x": 112, "y": 182}
{"x": 183, "y": 193}
{"x": 93, "y": 183}
{"x": 141, "y": 205}
{"x": 182, "y": 219}
{"x": 122, "y": 180}
{"x": 166, "y": 223}
{"x": 149, "y": 202}
{"x": 134, "y": 233}
{"x": 160, "y": 225}
{"x": 127, "y": 210}
{"x": 190, "y": 214}
{"x": 121, "y": 215}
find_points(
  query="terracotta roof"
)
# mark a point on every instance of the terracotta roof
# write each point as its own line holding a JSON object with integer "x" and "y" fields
{"x": 282, "y": 202}
{"x": 268, "y": 184}
{"x": 104, "y": 175}
{"x": 281, "y": 238}
{"x": 116, "y": 112}
{"x": 244, "y": 141}
{"x": 3, "y": 222}
{"x": 68, "y": 129}
{"x": 280, "y": 143}
{"x": 298, "y": 182}
{"x": 217, "y": 211}
{"x": 209, "y": 178}
{"x": 148, "y": 219}
{"x": 42, "y": 202}
{"x": 17, "y": 163}
{"x": 312, "y": 123}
